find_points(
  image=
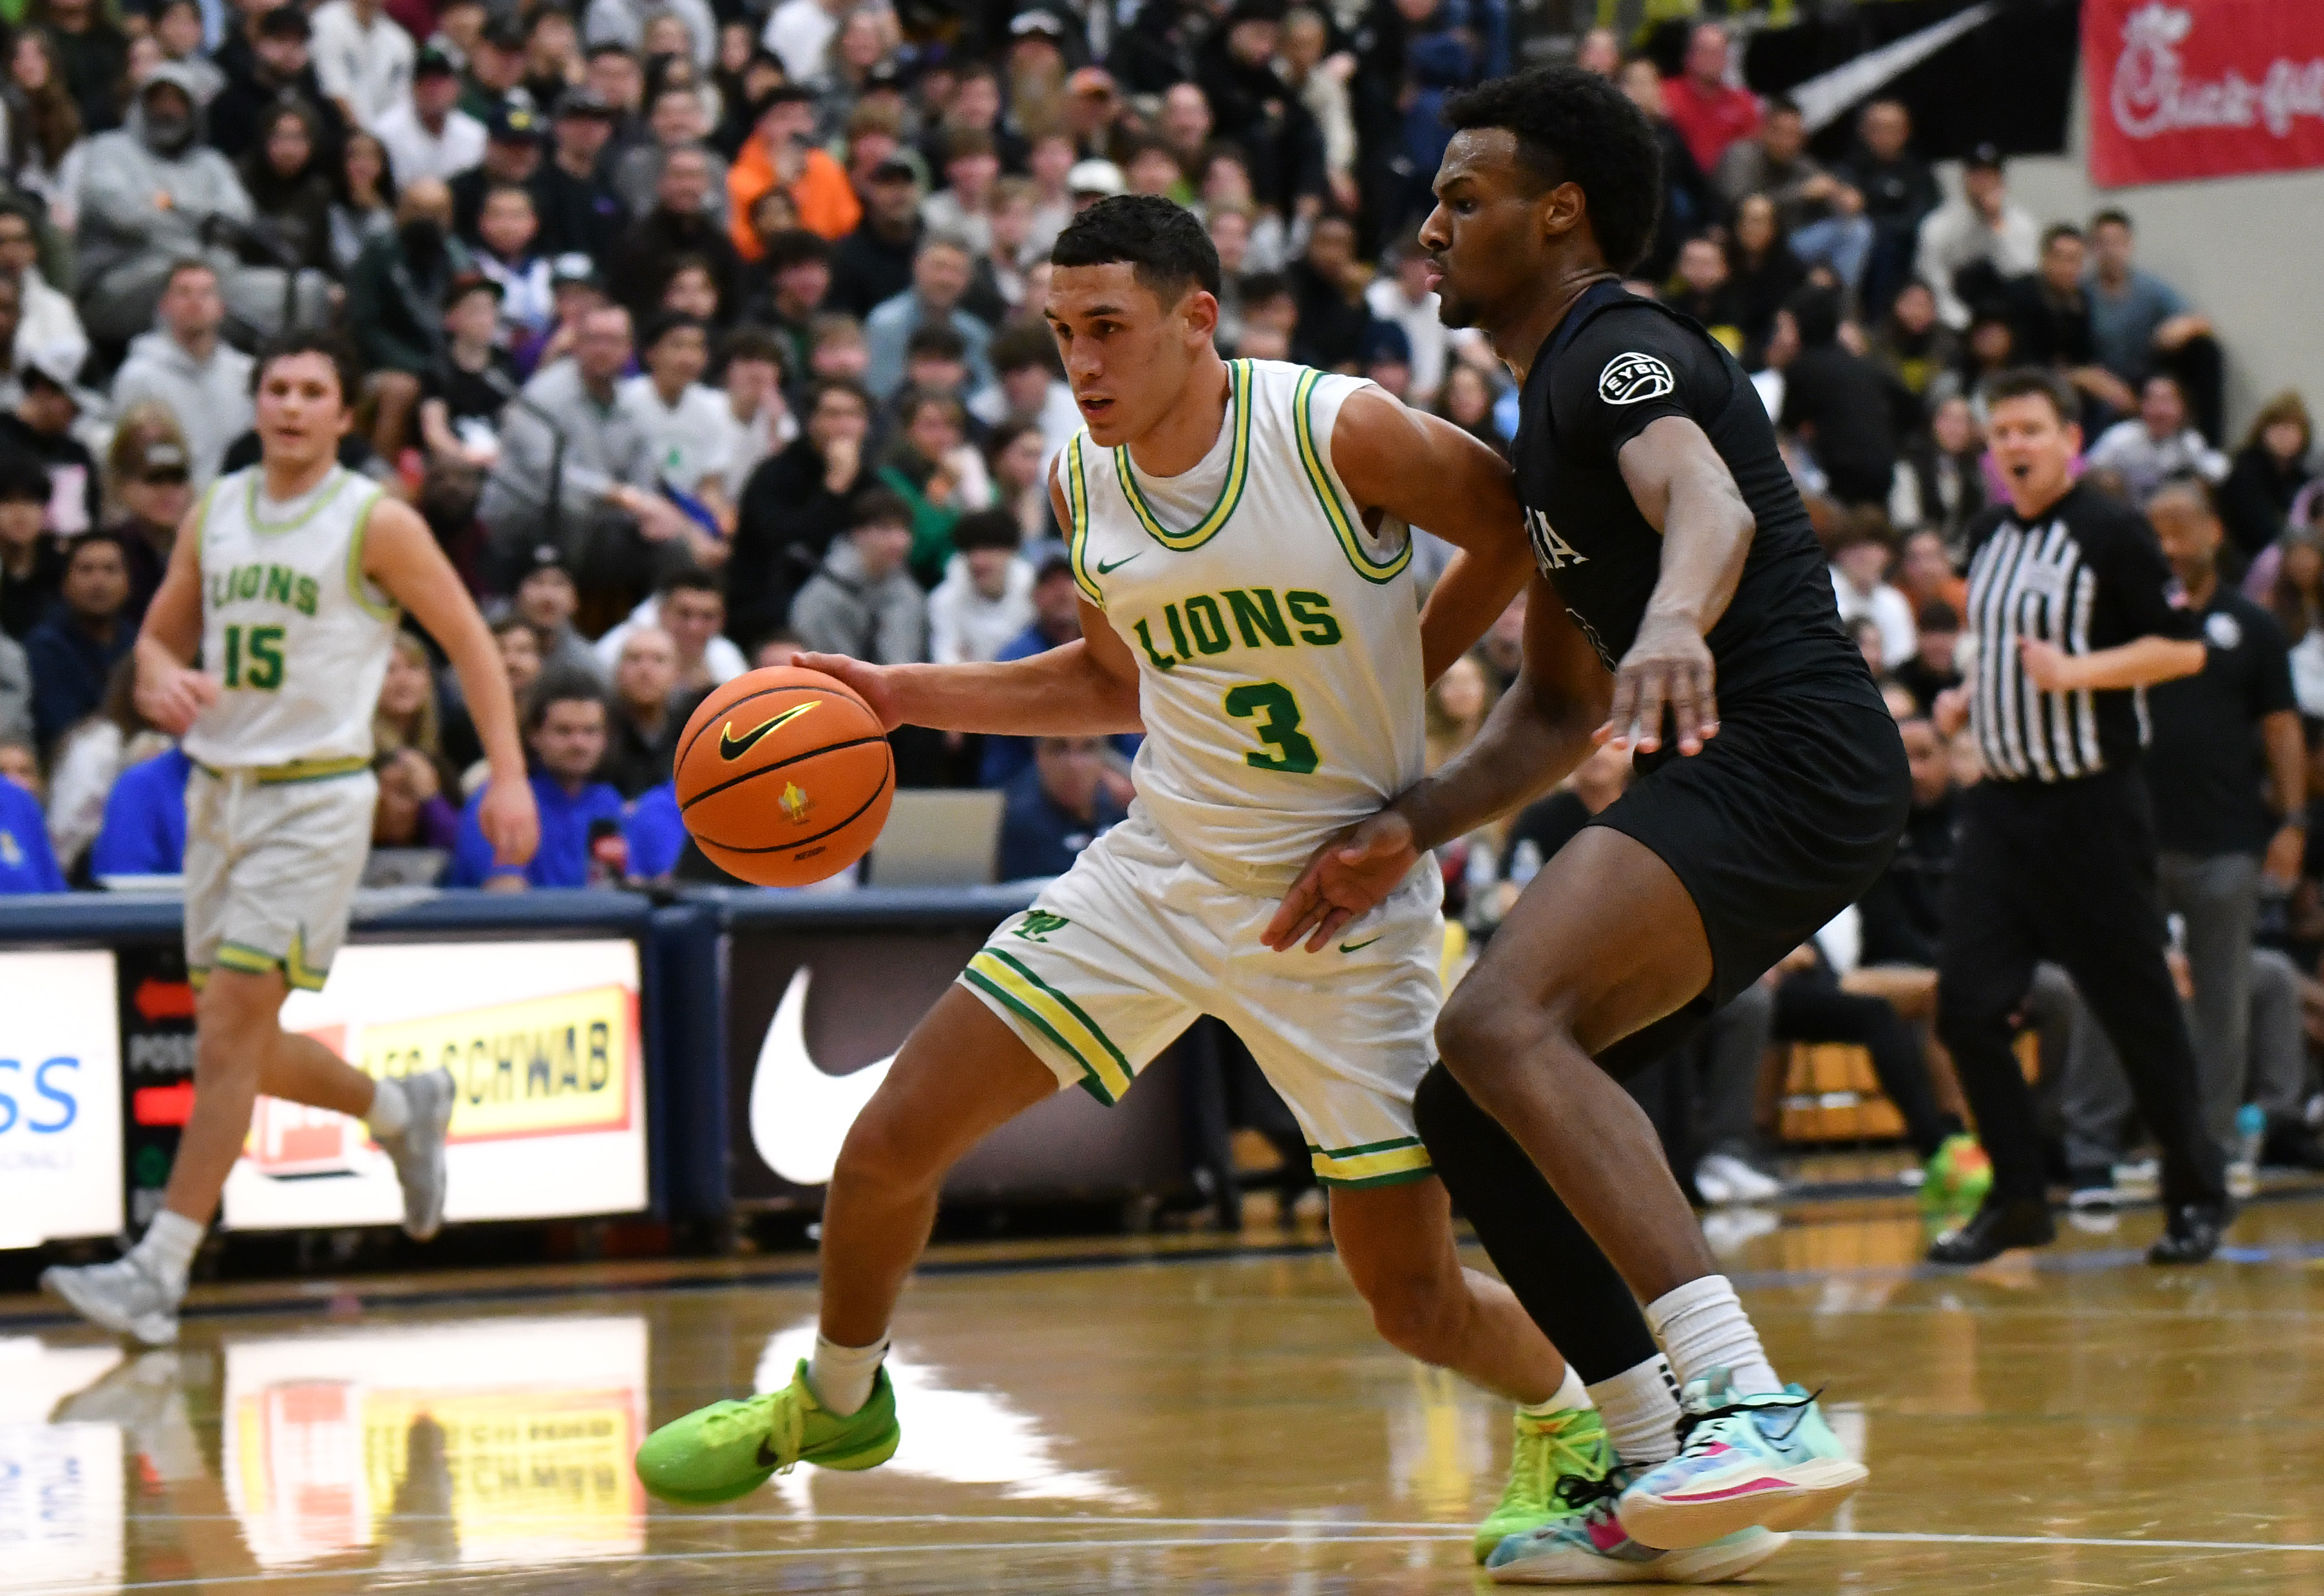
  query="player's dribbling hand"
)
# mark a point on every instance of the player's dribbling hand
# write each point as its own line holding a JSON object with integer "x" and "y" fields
{"x": 1669, "y": 665}
{"x": 510, "y": 820}
{"x": 1353, "y": 872}
{"x": 172, "y": 701}
{"x": 869, "y": 681}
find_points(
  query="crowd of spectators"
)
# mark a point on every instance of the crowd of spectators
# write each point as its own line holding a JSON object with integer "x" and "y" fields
{"x": 701, "y": 333}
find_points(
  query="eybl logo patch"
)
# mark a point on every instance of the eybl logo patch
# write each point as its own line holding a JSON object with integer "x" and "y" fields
{"x": 1632, "y": 379}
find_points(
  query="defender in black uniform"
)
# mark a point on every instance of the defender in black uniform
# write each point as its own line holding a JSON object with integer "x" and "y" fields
{"x": 1682, "y": 609}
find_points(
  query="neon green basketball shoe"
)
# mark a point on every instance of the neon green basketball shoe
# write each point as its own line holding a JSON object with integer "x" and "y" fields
{"x": 730, "y": 1449}
{"x": 1549, "y": 1450}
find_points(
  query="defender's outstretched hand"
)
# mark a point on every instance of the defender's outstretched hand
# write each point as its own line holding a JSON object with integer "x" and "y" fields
{"x": 869, "y": 681}
{"x": 1351, "y": 873}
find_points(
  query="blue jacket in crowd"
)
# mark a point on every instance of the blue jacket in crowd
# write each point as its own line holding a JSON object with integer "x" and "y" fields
{"x": 144, "y": 830}
{"x": 27, "y": 862}
{"x": 566, "y": 817}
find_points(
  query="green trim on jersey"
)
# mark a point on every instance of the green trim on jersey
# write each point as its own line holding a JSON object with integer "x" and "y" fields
{"x": 1335, "y": 509}
{"x": 361, "y": 587}
{"x": 202, "y": 525}
{"x": 1229, "y": 491}
{"x": 276, "y": 529}
{"x": 1104, "y": 1071}
{"x": 1078, "y": 513}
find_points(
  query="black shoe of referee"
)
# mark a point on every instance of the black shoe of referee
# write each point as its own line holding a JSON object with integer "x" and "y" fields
{"x": 2190, "y": 1233}
{"x": 1994, "y": 1229}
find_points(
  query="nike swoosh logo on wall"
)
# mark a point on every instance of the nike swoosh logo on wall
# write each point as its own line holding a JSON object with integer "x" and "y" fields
{"x": 731, "y": 747}
{"x": 1104, "y": 569}
{"x": 799, "y": 1115}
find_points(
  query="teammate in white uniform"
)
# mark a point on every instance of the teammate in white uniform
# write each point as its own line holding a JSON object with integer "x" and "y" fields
{"x": 1238, "y": 534}
{"x": 290, "y": 577}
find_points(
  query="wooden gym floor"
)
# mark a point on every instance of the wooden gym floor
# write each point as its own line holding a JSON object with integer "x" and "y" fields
{"x": 1169, "y": 1415}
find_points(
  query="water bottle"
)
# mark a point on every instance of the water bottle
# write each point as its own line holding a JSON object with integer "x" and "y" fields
{"x": 2251, "y": 1134}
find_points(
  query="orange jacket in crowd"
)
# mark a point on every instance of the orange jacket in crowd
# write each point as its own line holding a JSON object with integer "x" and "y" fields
{"x": 825, "y": 198}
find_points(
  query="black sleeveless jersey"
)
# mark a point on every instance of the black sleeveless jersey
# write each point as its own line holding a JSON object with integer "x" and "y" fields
{"x": 1615, "y": 364}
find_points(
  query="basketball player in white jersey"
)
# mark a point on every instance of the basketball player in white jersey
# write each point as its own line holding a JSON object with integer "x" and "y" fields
{"x": 1238, "y": 532}
{"x": 289, "y": 578}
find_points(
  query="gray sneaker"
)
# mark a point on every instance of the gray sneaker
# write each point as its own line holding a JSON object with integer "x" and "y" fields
{"x": 123, "y": 1296}
{"x": 419, "y": 1150}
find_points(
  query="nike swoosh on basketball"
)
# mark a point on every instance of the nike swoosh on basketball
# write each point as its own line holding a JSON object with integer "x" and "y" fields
{"x": 799, "y": 1114}
{"x": 731, "y": 747}
{"x": 1359, "y": 947}
{"x": 1105, "y": 569}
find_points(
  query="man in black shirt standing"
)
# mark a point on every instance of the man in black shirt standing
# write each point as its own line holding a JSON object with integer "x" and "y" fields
{"x": 2226, "y": 769}
{"x": 2072, "y": 609}
{"x": 1671, "y": 548}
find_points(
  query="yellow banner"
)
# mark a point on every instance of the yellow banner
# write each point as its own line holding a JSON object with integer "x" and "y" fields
{"x": 541, "y": 1066}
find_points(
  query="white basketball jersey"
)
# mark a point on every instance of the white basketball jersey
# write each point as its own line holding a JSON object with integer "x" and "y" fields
{"x": 291, "y": 628}
{"x": 1278, "y": 640}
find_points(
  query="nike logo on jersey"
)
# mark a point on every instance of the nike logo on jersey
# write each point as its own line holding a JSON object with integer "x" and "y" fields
{"x": 1359, "y": 947}
{"x": 799, "y": 1114}
{"x": 731, "y": 747}
{"x": 1104, "y": 569}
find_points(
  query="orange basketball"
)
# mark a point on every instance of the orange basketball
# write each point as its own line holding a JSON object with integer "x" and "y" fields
{"x": 784, "y": 777}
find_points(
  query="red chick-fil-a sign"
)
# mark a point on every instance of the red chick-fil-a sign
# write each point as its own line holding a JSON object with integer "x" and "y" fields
{"x": 2201, "y": 88}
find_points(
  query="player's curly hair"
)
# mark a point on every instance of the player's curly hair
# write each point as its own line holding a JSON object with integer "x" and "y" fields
{"x": 1575, "y": 127}
{"x": 1162, "y": 241}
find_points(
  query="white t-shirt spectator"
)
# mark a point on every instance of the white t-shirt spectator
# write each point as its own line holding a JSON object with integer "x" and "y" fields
{"x": 413, "y": 153}
{"x": 2128, "y": 447}
{"x": 689, "y": 440}
{"x": 368, "y": 66}
{"x": 1059, "y": 420}
{"x": 719, "y": 657}
{"x": 771, "y": 429}
{"x": 967, "y": 628}
{"x": 799, "y": 33}
{"x": 1431, "y": 339}
{"x": 1890, "y": 609}
{"x": 1956, "y": 234}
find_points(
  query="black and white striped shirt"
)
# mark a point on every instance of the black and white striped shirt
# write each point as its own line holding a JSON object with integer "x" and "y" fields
{"x": 2084, "y": 574}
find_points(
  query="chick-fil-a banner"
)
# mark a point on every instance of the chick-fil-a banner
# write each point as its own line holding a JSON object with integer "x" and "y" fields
{"x": 2201, "y": 88}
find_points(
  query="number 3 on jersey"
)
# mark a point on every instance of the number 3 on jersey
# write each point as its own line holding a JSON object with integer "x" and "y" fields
{"x": 253, "y": 658}
{"x": 1279, "y": 729}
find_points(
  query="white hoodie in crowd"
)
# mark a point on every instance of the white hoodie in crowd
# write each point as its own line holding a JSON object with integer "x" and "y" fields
{"x": 967, "y": 628}
{"x": 210, "y": 398}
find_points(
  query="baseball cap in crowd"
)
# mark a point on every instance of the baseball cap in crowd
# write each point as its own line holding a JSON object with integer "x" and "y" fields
{"x": 1384, "y": 340}
{"x": 58, "y": 366}
{"x": 1096, "y": 177}
{"x": 468, "y": 283}
{"x": 581, "y": 100}
{"x": 1985, "y": 157}
{"x": 573, "y": 267}
{"x": 430, "y": 62}
{"x": 506, "y": 32}
{"x": 1037, "y": 24}
{"x": 894, "y": 170}
{"x": 158, "y": 459}
{"x": 886, "y": 74}
{"x": 540, "y": 557}
{"x": 516, "y": 125}
{"x": 285, "y": 22}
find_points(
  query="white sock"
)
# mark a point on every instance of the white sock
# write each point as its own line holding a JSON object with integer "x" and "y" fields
{"x": 1641, "y": 1407}
{"x": 167, "y": 1246}
{"x": 390, "y": 1110}
{"x": 1702, "y": 1326}
{"x": 1569, "y": 1396}
{"x": 842, "y": 1376}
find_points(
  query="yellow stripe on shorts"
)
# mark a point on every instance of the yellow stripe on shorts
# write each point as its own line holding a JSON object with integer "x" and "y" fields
{"x": 1104, "y": 1071}
{"x": 1373, "y": 1163}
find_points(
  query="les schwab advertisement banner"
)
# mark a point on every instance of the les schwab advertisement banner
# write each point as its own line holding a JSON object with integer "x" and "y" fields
{"x": 813, "y": 1024}
{"x": 2202, "y": 88}
{"x": 542, "y": 1038}
{"x": 59, "y": 1098}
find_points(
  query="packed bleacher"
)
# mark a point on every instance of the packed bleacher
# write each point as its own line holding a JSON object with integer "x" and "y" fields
{"x": 703, "y": 333}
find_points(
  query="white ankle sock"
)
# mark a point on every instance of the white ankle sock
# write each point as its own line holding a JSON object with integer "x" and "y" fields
{"x": 167, "y": 1246}
{"x": 842, "y": 1376}
{"x": 1570, "y": 1394}
{"x": 1641, "y": 1407}
{"x": 390, "y": 1110}
{"x": 1702, "y": 1326}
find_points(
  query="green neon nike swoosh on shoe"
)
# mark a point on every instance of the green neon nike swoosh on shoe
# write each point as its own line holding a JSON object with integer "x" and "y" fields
{"x": 1359, "y": 947}
{"x": 730, "y": 1449}
{"x": 1549, "y": 1450}
{"x": 1104, "y": 569}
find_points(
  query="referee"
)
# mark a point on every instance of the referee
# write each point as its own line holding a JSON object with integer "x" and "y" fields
{"x": 2072, "y": 609}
